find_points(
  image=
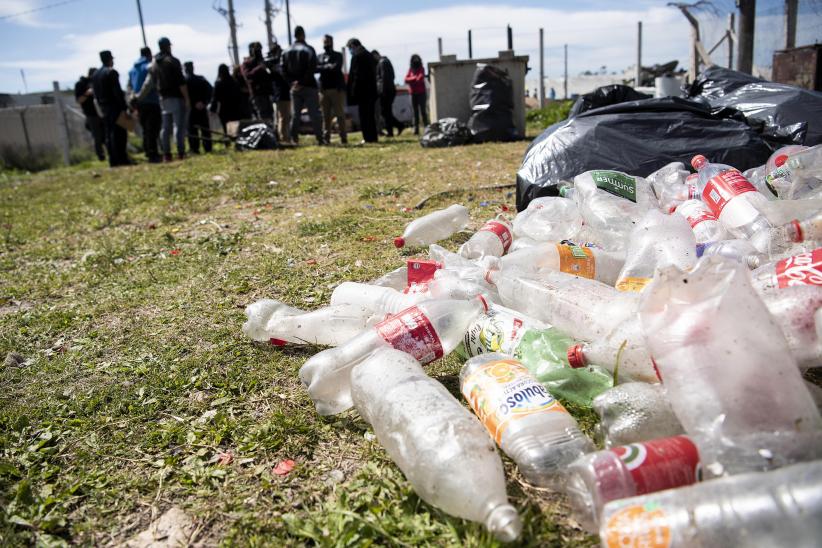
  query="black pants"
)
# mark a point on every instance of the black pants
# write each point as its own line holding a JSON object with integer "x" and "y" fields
{"x": 151, "y": 120}
{"x": 198, "y": 128}
{"x": 387, "y": 110}
{"x": 97, "y": 128}
{"x": 418, "y": 102}
{"x": 368, "y": 122}
{"x": 116, "y": 140}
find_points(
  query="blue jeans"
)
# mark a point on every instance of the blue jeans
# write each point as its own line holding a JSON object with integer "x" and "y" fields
{"x": 174, "y": 116}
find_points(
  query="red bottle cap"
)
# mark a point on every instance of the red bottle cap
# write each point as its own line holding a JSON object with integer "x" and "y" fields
{"x": 399, "y": 242}
{"x": 799, "y": 237}
{"x": 576, "y": 358}
{"x": 781, "y": 159}
{"x": 483, "y": 301}
{"x": 277, "y": 342}
{"x": 698, "y": 161}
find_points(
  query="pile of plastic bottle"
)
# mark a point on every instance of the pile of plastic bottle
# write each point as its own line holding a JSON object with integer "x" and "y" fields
{"x": 684, "y": 308}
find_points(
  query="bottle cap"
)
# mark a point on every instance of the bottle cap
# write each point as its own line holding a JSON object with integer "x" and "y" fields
{"x": 576, "y": 358}
{"x": 277, "y": 342}
{"x": 799, "y": 237}
{"x": 483, "y": 301}
{"x": 698, "y": 161}
{"x": 781, "y": 159}
{"x": 399, "y": 242}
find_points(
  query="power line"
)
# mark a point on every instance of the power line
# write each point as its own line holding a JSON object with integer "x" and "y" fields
{"x": 41, "y": 8}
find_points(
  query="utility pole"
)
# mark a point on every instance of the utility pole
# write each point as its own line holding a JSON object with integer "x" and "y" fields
{"x": 541, "y": 87}
{"x": 638, "y": 77}
{"x": 232, "y": 24}
{"x": 288, "y": 20}
{"x": 731, "y": 39}
{"x": 268, "y": 31}
{"x": 470, "y": 47}
{"x": 439, "y": 47}
{"x": 142, "y": 26}
{"x": 791, "y": 7}
{"x": 510, "y": 38}
{"x": 565, "y": 78}
{"x": 745, "y": 36}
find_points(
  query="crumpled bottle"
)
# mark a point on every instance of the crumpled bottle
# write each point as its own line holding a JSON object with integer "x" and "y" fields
{"x": 548, "y": 219}
{"x": 277, "y": 323}
{"x": 434, "y": 227}
{"x": 635, "y": 411}
{"x": 492, "y": 240}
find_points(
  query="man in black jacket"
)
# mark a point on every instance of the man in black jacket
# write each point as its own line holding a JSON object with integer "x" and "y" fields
{"x": 112, "y": 101}
{"x": 362, "y": 88}
{"x": 84, "y": 95}
{"x": 332, "y": 86}
{"x": 387, "y": 91}
{"x": 199, "y": 91}
{"x": 259, "y": 82}
{"x": 299, "y": 65}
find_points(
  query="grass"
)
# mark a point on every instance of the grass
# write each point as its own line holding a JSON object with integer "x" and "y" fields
{"x": 538, "y": 119}
{"x": 128, "y": 379}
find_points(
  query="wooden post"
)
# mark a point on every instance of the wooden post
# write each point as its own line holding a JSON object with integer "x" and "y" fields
{"x": 232, "y": 25}
{"x": 791, "y": 7}
{"x": 439, "y": 47}
{"x": 638, "y": 77}
{"x": 470, "y": 46}
{"x": 745, "y": 36}
{"x": 541, "y": 86}
{"x": 268, "y": 32}
{"x": 731, "y": 39}
{"x": 62, "y": 126}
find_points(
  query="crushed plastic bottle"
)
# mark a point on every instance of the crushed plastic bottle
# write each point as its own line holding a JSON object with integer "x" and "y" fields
{"x": 633, "y": 412}
{"x": 640, "y": 468}
{"x": 621, "y": 351}
{"x": 798, "y": 311}
{"x": 707, "y": 229}
{"x": 587, "y": 262}
{"x": 427, "y": 331}
{"x": 439, "y": 445}
{"x": 271, "y": 321}
{"x": 795, "y": 232}
{"x": 778, "y": 508}
{"x": 802, "y": 269}
{"x": 525, "y": 420}
{"x": 670, "y": 184}
{"x": 434, "y": 227}
{"x": 386, "y": 300}
{"x": 492, "y": 240}
{"x": 548, "y": 219}
{"x": 740, "y": 251}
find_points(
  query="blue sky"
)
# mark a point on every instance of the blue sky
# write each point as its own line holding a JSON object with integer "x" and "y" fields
{"x": 61, "y": 42}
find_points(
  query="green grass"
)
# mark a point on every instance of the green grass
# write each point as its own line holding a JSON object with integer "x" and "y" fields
{"x": 122, "y": 294}
{"x": 538, "y": 119}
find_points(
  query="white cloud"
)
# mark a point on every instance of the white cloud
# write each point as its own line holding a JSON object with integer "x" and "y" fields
{"x": 29, "y": 15}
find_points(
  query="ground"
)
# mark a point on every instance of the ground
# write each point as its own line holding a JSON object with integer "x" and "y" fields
{"x": 129, "y": 389}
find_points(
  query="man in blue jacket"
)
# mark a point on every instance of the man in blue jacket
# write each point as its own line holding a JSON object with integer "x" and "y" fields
{"x": 148, "y": 109}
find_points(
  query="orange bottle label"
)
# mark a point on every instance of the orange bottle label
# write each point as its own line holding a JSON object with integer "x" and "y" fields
{"x": 638, "y": 526}
{"x": 577, "y": 260}
{"x": 632, "y": 284}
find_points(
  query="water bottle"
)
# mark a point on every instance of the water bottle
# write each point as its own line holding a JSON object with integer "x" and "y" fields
{"x": 802, "y": 269}
{"x": 706, "y": 227}
{"x": 670, "y": 184}
{"x": 492, "y": 240}
{"x": 587, "y": 262}
{"x": 640, "y": 468}
{"x": 795, "y": 232}
{"x": 525, "y": 420}
{"x": 777, "y": 508}
{"x": 434, "y": 227}
{"x": 798, "y": 311}
{"x": 548, "y": 219}
{"x": 439, "y": 445}
{"x": 387, "y": 300}
{"x": 635, "y": 411}
{"x": 740, "y": 251}
{"x": 274, "y": 322}
{"x": 427, "y": 331}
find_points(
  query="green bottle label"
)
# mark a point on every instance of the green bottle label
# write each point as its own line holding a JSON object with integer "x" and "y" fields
{"x": 616, "y": 183}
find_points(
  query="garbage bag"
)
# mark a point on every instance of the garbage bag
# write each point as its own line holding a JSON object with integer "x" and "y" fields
{"x": 445, "y": 132}
{"x": 492, "y": 104}
{"x": 258, "y": 136}
{"x": 604, "y": 96}
{"x": 637, "y": 137}
{"x": 784, "y": 110}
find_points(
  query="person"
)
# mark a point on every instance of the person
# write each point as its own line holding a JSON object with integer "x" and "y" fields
{"x": 415, "y": 78}
{"x": 259, "y": 82}
{"x": 227, "y": 97}
{"x": 112, "y": 101}
{"x": 282, "y": 93}
{"x": 166, "y": 75}
{"x": 199, "y": 126}
{"x": 362, "y": 87}
{"x": 148, "y": 110}
{"x": 553, "y": 94}
{"x": 299, "y": 65}
{"x": 332, "y": 86}
{"x": 245, "y": 106}
{"x": 387, "y": 91}
{"x": 84, "y": 95}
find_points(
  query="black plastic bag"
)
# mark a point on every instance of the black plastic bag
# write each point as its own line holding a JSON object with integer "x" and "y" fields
{"x": 492, "y": 104}
{"x": 604, "y": 96}
{"x": 259, "y": 136}
{"x": 446, "y": 132}
{"x": 783, "y": 110}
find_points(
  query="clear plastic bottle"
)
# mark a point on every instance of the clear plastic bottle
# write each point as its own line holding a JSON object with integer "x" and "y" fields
{"x": 706, "y": 227}
{"x": 528, "y": 424}
{"x": 626, "y": 471}
{"x": 548, "y": 219}
{"x": 798, "y": 311}
{"x": 740, "y": 251}
{"x": 427, "y": 331}
{"x": 271, "y": 321}
{"x": 434, "y": 227}
{"x": 732, "y": 199}
{"x": 492, "y": 240}
{"x": 795, "y": 232}
{"x": 778, "y": 508}
{"x": 587, "y": 262}
{"x": 438, "y": 444}
{"x": 802, "y": 269}
{"x": 635, "y": 411}
{"x": 670, "y": 185}
{"x": 388, "y": 300}
{"x": 622, "y": 350}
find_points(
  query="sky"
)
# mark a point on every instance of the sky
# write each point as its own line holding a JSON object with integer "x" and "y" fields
{"x": 60, "y": 40}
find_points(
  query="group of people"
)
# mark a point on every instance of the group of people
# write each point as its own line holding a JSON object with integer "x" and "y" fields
{"x": 169, "y": 99}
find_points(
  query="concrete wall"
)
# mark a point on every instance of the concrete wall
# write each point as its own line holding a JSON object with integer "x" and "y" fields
{"x": 451, "y": 86}
{"x": 35, "y": 127}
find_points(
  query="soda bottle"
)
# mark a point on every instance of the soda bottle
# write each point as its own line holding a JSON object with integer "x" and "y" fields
{"x": 778, "y": 508}
{"x": 439, "y": 445}
{"x": 427, "y": 331}
{"x": 635, "y": 411}
{"x": 798, "y": 311}
{"x": 793, "y": 172}
{"x": 493, "y": 240}
{"x": 274, "y": 322}
{"x": 795, "y": 232}
{"x": 434, "y": 227}
{"x": 587, "y": 262}
{"x": 802, "y": 269}
{"x": 706, "y": 227}
{"x": 548, "y": 219}
{"x": 522, "y": 242}
{"x": 386, "y": 300}
{"x": 525, "y": 420}
{"x": 596, "y": 479}
{"x": 622, "y": 350}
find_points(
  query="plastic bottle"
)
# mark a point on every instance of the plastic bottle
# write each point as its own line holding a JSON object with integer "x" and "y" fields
{"x": 802, "y": 269}
{"x": 670, "y": 185}
{"x": 386, "y": 300}
{"x": 396, "y": 279}
{"x": 635, "y": 411}
{"x": 795, "y": 232}
{"x": 427, "y": 331}
{"x": 627, "y": 471}
{"x": 439, "y": 445}
{"x": 548, "y": 219}
{"x": 271, "y": 321}
{"x": 525, "y": 420}
{"x": 522, "y": 242}
{"x": 657, "y": 241}
{"x": 740, "y": 251}
{"x": 798, "y": 311}
{"x": 621, "y": 351}
{"x": 493, "y": 240}
{"x": 732, "y": 199}
{"x": 434, "y": 227}
{"x": 587, "y": 262}
{"x": 779, "y": 508}
{"x": 706, "y": 227}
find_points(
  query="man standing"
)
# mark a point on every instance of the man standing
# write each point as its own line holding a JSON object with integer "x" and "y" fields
{"x": 149, "y": 108}
{"x": 166, "y": 75}
{"x": 282, "y": 93}
{"x": 112, "y": 101}
{"x": 299, "y": 66}
{"x": 387, "y": 91}
{"x": 259, "y": 82}
{"x": 362, "y": 87}
{"x": 332, "y": 84}
{"x": 84, "y": 95}
{"x": 199, "y": 92}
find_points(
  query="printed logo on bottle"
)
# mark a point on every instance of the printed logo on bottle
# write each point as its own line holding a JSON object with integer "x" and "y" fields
{"x": 802, "y": 269}
{"x": 504, "y": 391}
{"x": 695, "y": 212}
{"x": 495, "y": 331}
{"x": 638, "y": 526}
{"x": 616, "y": 183}
{"x": 629, "y": 283}
{"x": 660, "y": 464}
{"x": 502, "y": 232}
{"x": 411, "y": 331}
{"x": 723, "y": 188}
{"x": 577, "y": 260}
{"x": 421, "y": 270}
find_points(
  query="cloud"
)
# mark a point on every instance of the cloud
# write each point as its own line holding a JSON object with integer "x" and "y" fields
{"x": 28, "y": 14}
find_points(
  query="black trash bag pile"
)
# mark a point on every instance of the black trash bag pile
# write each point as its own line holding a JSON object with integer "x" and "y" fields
{"x": 780, "y": 110}
{"x": 446, "y": 132}
{"x": 259, "y": 136}
{"x": 492, "y": 104}
{"x": 604, "y": 96}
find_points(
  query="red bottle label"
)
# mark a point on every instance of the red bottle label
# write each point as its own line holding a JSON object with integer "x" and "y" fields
{"x": 660, "y": 464}
{"x": 411, "y": 331}
{"x": 724, "y": 187}
{"x": 421, "y": 270}
{"x": 803, "y": 269}
{"x": 502, "y": 232}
